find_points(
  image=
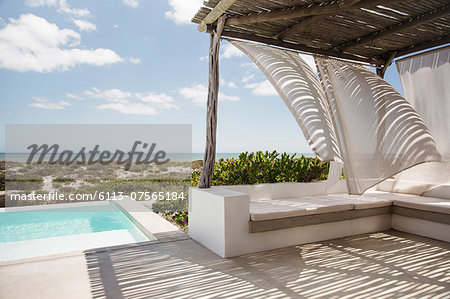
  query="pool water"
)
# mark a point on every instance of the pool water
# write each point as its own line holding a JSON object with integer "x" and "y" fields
{"x": 57, "y": 222}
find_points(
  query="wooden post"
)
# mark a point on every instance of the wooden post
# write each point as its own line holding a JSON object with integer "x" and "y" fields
{"x": 379, "y": 69}
{"x": 214, "y": 14}
{"x": 209, "y": 160}
{"x": 388, "y": 63}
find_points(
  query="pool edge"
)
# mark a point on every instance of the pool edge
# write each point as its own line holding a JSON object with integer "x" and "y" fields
{"x": 147, "y": 221}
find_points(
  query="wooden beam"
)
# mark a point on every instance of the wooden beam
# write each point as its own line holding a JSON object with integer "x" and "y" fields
{"x": 301, "y": 11}
{"x": 442, "y": 40}
{"x": 299, "y": 26}
{"x": 209, "y": 160}
{"x": 297, "y": 47}
{"x": 214, "y": 14}
{"x": 411, "y": 22}
{"x": 291, "y": 12}
{"x": 305, "y": 23}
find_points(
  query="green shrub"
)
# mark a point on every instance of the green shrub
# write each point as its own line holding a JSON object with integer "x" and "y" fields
{"x": 179, "y": 218}
{"x": 265, "y": 167}
{"x": 24, "y": 183}
{"x": 168, "y": 206}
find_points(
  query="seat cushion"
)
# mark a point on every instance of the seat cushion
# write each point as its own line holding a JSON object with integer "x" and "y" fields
{"x": 431, "y": 204}
{"x": 292, "y": 207}
{"x": 301, "y": 206}
{"x": 361, "y": 202}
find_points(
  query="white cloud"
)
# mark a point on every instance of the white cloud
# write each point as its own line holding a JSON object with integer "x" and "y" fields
{"x": 249, "y": 65}
{"x": 73, "y": 12}
{"x": 108, "y": 94}
{"x": 63, "y": 7}
{"x": 43, "y": 103}
{"x": 127, "y": 107}
{"x": 134, "y": 60}
{"x": 30, "y": 43}
{"x": 229, "y": 84}
{"x": 73, "y": 96}
{"x": 224, "y": 97}
{"x": 203, "y": 58}
{"x": 131, "y": 3}
{"x": 247, "y": 78}
{"x": 263, "y": 88}
{"x": 198, "y": 94}
{"x": 116, "y": 26}
{"x": 84, "y": 25}
{"x": 137, "y": 103}
{"x": 36, "y": 3}
{"x": 183, "y": 10}
{"x": 228, "y": 51}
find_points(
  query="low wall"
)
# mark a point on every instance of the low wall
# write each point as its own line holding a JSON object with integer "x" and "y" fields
{"x": 285, "y": 190}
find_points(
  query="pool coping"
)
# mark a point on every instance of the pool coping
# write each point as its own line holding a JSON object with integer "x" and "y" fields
{"x": 146, "y": 220}
{"x": 52, "y": 206}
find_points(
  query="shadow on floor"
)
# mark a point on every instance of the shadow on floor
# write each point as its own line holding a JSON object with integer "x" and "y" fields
{"x": 388, "y": 264}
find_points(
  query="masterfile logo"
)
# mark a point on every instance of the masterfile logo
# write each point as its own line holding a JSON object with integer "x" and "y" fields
{"x": 48, "y": 164}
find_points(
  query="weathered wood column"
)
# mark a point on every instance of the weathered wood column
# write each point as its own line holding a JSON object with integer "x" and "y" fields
{"x": 209, "y": 159}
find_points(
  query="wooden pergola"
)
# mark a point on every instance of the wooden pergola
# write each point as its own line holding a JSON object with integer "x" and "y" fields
{"x": 369, "y": 31}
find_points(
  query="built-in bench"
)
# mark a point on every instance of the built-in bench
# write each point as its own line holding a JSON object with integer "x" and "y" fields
{"x": 234, "y": 220}
{"x": 268, "y": 215}
{"x": 275, "y": 214}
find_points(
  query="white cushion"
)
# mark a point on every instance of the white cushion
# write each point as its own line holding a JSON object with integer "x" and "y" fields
{"x": 442, "y": 191}
{"x": 291, "y": 207}
{"x": 300, "y": 206}
{"x": 361, "y": 202}
{"x": 431, "y": 204}
{"x": 424, "y": 203}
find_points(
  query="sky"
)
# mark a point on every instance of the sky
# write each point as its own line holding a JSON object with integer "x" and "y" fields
{"x": 134, "y": 62}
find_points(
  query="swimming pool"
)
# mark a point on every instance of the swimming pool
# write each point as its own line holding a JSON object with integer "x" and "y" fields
{"x": 58, "y": 230}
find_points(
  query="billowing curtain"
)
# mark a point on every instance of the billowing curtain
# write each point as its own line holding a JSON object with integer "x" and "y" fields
{"x": 379, "y": 132}
{"x": 426, "y": 82}
{"x": 301, "y": 91}
{"x": 350, "y": 115}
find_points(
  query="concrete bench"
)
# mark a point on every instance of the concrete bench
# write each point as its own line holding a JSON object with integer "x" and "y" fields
{"x": 275, "y": 214}
{"x": 236, "y": 220}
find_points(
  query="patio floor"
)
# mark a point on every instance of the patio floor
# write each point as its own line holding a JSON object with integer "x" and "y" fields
{"x": 379, "y": 265}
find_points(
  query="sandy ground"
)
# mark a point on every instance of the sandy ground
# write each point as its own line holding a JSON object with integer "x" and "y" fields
{"x": 380, "y": 265}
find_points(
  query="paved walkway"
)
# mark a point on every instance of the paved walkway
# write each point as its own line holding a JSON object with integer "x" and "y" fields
{"x": 379, "y": 265}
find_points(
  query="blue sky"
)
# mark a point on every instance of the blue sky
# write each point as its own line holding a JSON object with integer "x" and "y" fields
{"x": 133, "y": 62}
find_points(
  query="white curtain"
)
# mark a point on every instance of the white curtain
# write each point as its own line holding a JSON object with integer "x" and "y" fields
{"x": 426, "y": 82}
{"x": 300, "y": 89}
{"x": 351, "y": 115}
{"x": 378, "y": 131}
